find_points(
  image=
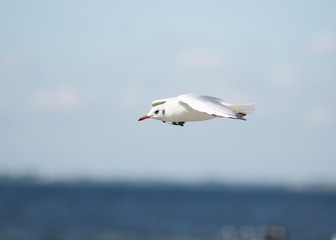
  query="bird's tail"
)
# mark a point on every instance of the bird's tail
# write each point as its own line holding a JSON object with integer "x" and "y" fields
{"x": 242, "y": 108}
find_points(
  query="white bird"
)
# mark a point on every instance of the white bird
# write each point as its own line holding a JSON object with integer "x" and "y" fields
{"x": 194, "y": 107}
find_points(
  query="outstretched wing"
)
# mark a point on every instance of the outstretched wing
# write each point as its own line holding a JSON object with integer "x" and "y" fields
{"x": 159, "y": 102}
{"x": 209, "y": 105}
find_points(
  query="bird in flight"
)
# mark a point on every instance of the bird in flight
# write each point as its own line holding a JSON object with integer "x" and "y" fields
{"x": 194, "y": 107}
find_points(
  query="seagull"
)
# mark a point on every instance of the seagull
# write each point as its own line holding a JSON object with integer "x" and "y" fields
{"x": 194, "y": 107}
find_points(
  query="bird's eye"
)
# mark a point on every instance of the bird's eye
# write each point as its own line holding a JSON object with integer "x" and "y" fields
{"x": 156, "y": 112}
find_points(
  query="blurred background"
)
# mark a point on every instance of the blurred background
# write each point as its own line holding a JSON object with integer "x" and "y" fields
{"x": 75, "y": 76}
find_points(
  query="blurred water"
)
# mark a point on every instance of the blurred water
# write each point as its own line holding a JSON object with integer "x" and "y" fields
{"x": 105, "y": 212}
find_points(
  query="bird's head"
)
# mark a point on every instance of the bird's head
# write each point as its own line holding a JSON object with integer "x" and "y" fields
{"x": 157, "y": 112}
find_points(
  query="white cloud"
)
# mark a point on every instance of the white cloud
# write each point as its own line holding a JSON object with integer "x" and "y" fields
{"x": 63, "y": 98}
{"x": 285, "y": 76}
{"x": 320, "y": 114}
{"x": 146, "y": 73}
{"x": 129, "y": 98}
{"x": 321, "y": 45}
{"x": 13, "y": 70}
{"x": 200, "y": 59}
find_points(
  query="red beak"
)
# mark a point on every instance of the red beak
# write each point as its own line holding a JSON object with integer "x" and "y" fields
{"x": 143, "y": 118}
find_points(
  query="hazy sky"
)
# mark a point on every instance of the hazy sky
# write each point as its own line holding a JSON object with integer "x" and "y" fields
{"x": 75, "y": 76}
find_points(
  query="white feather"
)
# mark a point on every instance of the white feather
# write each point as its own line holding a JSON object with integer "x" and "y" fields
{"x": 209, "y": 105}
{"x": 242, "y": 108}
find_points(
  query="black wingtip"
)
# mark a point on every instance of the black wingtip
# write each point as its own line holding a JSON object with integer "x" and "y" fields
{"x": 241, "y": 116}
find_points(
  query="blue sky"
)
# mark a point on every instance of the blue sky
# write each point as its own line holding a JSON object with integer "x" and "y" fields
{"x": 76, "y": 75}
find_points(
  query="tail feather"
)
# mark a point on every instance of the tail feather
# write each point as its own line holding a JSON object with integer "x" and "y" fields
{"x": 242, "y": 108}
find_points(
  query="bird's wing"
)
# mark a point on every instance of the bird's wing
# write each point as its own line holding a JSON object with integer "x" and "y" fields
{"x": 159, "y": 102}
{"x": 210, "y": 105}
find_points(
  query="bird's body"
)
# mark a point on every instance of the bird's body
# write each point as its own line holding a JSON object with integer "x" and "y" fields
{"x": 193, "y": 107}
{"x": 175, "y": 111}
